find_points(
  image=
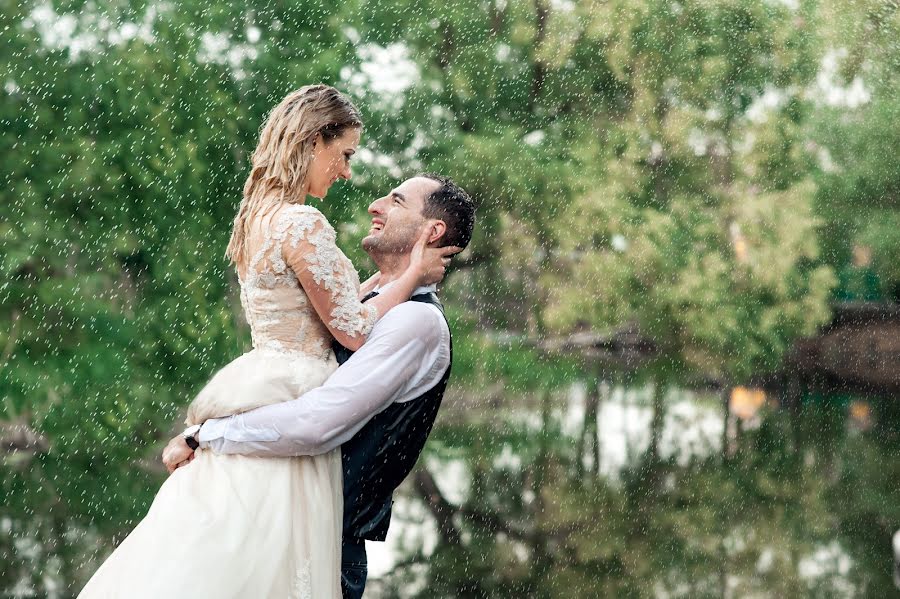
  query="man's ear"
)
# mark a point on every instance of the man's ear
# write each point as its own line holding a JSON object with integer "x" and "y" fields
{"x": 438, "y": 229}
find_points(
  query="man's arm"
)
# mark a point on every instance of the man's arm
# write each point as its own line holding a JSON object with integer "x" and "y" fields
{"x": 406, "y": 354}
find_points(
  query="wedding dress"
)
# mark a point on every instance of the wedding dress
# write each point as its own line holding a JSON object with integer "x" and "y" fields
{"x": 231, "y": 526}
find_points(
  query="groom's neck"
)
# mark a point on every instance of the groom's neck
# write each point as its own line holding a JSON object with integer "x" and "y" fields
{"x": 391, "y": 267}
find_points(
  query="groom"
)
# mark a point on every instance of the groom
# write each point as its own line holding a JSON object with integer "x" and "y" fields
{"x": 380, "y": 404}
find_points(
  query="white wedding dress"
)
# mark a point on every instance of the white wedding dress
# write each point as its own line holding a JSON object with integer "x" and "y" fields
{"x": 231, "y": 526}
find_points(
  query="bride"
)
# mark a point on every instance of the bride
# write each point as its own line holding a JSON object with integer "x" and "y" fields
{"x": 232, "y": 526}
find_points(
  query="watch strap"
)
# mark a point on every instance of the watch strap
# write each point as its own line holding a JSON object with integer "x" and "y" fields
{"x": 191, "y": 437}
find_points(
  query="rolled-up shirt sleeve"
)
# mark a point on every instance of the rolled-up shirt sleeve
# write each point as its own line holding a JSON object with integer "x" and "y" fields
{"x": 406, "y": 354}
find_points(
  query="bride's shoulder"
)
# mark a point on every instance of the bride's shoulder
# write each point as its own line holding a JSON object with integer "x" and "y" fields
{"x": 300, "y": 221}
{"x": 300, "y": 211}
{"x": 301, "y": 216}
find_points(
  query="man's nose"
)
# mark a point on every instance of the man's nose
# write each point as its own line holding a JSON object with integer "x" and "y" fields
{"x": 377, "y": 207}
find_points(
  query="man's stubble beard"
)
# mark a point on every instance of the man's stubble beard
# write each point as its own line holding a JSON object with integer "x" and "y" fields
{"x": 399, "y": 242}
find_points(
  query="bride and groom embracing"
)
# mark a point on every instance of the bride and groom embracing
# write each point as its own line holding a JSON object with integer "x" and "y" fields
{"x": 290, "y": 461}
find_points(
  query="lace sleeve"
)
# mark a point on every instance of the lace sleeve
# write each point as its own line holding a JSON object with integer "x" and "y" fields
{"x": 309, "y": 248}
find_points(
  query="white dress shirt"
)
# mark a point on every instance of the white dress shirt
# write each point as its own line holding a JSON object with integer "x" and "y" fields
{"x": 405, "y": 355}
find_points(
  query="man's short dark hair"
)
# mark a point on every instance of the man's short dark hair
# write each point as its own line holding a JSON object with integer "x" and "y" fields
{"x": 451, "y": 204}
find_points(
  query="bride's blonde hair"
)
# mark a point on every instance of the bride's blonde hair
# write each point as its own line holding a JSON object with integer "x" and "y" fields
{"x": 280, "y": 164}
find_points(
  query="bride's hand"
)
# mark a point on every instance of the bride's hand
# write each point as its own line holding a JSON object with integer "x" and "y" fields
{"x": 176, "y": 454}
{"x": 430, "y": 264}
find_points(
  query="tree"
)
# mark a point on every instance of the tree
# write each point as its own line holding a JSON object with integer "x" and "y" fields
{"x": 697, "y": 232}
{"x": 858, "y": 180}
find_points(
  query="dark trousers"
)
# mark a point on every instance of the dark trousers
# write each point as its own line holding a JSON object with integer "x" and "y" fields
{"x": 354, "y": 568}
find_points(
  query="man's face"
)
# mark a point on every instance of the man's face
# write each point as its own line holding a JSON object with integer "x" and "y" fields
{"x": 397, "y": 217}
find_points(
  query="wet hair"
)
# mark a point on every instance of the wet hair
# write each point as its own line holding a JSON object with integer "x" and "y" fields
{"x": 451, "y": 204}
{"x": 280, "y": 164}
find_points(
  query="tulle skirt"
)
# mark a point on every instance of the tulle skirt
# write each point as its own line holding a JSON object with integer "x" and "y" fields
{"x": 230, "y": 526}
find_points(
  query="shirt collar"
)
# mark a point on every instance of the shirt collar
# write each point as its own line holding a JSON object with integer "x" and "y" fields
{"x": 419, "y": 290}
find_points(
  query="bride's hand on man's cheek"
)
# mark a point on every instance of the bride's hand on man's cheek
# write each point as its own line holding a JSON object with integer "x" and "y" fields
{"x": 431, "y": 262}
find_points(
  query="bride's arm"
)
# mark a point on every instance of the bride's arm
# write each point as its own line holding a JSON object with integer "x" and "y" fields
{"x": 310, "y": 249}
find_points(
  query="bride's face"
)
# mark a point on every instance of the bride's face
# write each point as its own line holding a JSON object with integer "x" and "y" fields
{"x": 331, "y": 161}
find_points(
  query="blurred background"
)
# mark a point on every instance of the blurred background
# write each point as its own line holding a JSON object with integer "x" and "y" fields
{"x": 677, "y": 336}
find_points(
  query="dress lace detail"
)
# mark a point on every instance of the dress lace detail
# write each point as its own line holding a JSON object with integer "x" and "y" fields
{"x": 295, "y": 263}
{"x": 329, "y": 267}
{"x": 300, "y": 244}
{"x": 303, "y": 582}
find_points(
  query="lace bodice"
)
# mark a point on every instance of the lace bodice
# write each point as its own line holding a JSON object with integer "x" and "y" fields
{"x": 295, "y": 268}
{"x": 296, "y": 281}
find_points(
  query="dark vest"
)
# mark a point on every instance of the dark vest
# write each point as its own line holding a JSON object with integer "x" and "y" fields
{"x": 384, "y": 451}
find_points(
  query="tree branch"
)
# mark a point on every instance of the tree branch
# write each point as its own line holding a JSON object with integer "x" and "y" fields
{"x": 445, "y": 54}
{"x": 442, "y": 510}
{"x": 472, "y": 261}
{"x": 19, "y": 437}
{"x": 11, "y": 339}
{"x": 539, "y": 70}
{"x": 497, "y": 17}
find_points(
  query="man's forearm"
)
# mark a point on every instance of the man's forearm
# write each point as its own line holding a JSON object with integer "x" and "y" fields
{"x": 233, "y": 435}
{"x": 406, "y": 354}
{"x": 316, "y": 423}
{"x": 260, "y": 449}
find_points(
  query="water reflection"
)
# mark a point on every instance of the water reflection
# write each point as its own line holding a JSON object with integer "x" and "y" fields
{"x": 778, "y": 512}
{"x": 770, "y": 520}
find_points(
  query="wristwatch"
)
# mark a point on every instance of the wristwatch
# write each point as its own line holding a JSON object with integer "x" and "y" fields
{"x": 192, "y": 436}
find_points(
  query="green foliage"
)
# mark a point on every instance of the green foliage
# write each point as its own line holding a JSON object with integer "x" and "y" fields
{"x": 502, "y": 361}
{"x": 859, "y": 192}
{"x": 625, "y": 174}
{"x": 702, "y": 238}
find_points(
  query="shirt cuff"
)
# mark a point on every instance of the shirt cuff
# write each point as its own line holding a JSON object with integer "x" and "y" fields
{"x": 212, "y": 429}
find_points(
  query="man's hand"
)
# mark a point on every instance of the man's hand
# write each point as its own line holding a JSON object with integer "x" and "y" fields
{"x": 177, "y": 454}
